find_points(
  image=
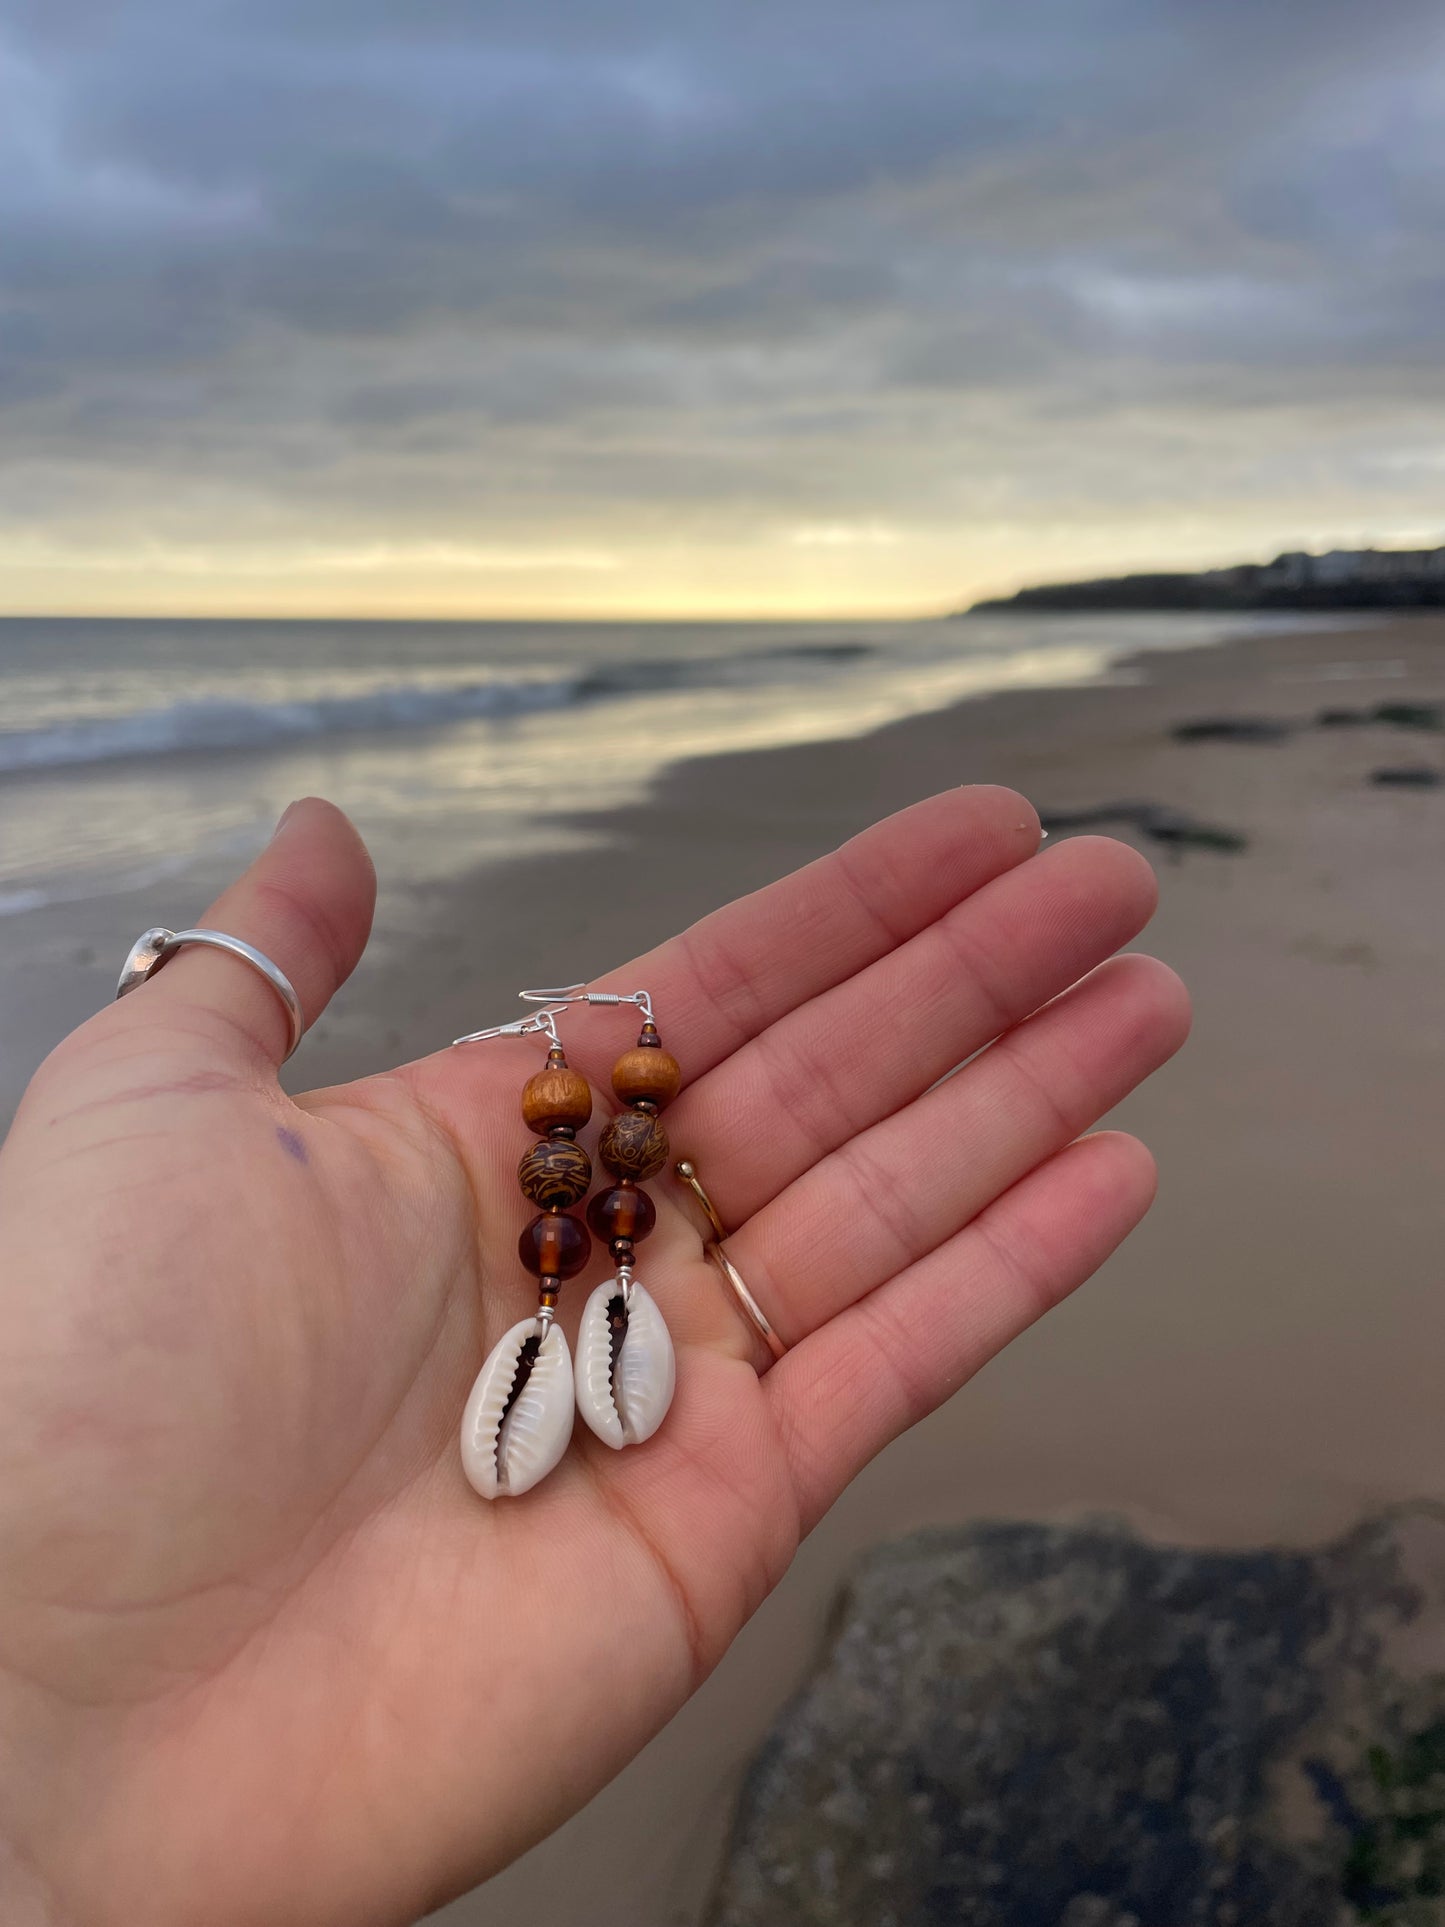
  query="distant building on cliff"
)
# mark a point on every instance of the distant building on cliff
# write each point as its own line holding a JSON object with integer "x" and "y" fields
{"x": 1298, "y": 570}
{"x": 1340, "y": 578}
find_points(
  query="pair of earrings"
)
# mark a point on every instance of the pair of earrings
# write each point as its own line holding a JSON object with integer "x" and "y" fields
{"x": 518, "y": 1419}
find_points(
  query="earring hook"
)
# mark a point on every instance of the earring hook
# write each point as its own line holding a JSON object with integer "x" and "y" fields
{"x": 576, "y": 994}
{"x": 543, "y": 1021}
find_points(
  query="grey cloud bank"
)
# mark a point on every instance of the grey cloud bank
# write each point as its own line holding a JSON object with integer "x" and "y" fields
{"x": 660, "y": 274}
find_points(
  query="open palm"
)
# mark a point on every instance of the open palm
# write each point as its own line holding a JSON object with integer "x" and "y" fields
{"x": 264, "y": 1655}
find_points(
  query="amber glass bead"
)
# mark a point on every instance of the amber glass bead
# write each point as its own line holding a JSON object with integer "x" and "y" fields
{"x": 555, "y": 1173}
{"x": 623, "y": 1212}
{"x": 654, "y": 1074}
{"x": 556, "y": 1095}
{"x": 554, "y": 1246}
{"x": 633, "y": 1145}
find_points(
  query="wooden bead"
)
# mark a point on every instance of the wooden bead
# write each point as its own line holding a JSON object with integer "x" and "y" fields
{"x": 654, "y": 1074}
{"x": 634, "y": 1146}
{"x": 556, "y": 1095}
{"x": 555, "y": 1174}
{"x": 554, "y": 1246}
{"x": 622, "y": 1213}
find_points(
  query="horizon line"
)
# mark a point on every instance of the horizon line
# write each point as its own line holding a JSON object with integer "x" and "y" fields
{"x": 902, "y": 614}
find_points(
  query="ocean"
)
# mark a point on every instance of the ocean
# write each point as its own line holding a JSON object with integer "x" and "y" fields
{"x": 142, "y": 762}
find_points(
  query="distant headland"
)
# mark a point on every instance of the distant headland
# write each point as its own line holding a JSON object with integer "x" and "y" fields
{"x": 1338, "y": 579}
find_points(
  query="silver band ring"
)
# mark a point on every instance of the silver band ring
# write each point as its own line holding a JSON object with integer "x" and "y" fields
{"x": 746, "y": 1302}
{"x": 158, "y": 946}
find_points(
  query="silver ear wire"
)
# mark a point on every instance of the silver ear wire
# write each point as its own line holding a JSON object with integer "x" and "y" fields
{"x": 563, "y": 994}
{"x": 575, "y": 994}
{"x": 543, "y": 1021}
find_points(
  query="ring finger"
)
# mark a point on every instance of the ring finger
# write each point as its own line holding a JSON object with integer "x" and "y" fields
{"x": 904, "y": 1186}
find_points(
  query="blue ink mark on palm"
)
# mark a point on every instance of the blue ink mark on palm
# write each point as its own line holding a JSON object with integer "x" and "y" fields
{"x": 291, "y": 1144}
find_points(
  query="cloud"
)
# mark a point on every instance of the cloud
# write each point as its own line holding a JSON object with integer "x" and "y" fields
{"x": 338, "y": 273}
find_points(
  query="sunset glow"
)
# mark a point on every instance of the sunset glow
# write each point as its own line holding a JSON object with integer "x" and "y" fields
{"x": 373, "y": 311}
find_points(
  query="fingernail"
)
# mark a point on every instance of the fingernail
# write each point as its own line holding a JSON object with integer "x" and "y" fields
{"x": 282, "y": 820}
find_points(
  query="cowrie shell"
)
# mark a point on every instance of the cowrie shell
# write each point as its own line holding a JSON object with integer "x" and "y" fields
{"x": 510, "y": 1442}
{"x": 624, "y": 1390}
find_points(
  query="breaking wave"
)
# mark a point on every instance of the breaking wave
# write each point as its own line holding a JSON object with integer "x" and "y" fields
{"x": 221, "y": 723}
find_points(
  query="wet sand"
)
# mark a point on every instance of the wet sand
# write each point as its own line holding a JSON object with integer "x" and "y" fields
{"x": 1263, "y": 1360}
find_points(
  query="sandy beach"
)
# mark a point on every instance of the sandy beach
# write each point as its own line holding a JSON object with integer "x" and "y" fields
{"x": 1262, "y": 1361}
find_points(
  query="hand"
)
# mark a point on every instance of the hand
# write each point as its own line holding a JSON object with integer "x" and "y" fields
{"x": 264, "y": 1655}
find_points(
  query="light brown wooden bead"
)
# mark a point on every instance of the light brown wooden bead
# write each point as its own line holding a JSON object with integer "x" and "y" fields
{"x": 556, "y": 1095}
{"x": 646, "y": 1073}
{"x": 634, "y": 1146}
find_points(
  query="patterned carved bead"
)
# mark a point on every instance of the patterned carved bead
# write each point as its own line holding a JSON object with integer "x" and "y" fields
{"x": 556, "y": 1095}
{"x": 622, "y": 1213}
{"x": 634, "y": 1146}
{"x": 555, "y": 1174}
{"x": 641, "y": 1073}
{"x": 554, "y": 1246}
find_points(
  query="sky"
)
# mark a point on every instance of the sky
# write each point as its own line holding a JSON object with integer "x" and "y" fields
{"x": 659, "y": 307}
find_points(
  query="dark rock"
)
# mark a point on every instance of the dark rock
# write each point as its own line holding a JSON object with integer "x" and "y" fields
{"x": 1171, "y": 827}
{"x": 1397, "y": 715}
{"x": 1411, "y": 715}
{"x": 1032, "y": 1726}
{"x": 1233, "y": 729}
{"x": 1413, "y": 776}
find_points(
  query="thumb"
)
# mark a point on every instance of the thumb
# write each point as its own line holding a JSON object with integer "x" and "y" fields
{"x": 306, "y": 903}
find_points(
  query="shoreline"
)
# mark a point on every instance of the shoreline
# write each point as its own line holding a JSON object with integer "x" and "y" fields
{"x": 740, "y": 818}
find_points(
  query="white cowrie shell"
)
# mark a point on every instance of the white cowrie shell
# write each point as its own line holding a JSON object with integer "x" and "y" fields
{"x": 506, "y": 1456}
{"x": 625, "y": 1408}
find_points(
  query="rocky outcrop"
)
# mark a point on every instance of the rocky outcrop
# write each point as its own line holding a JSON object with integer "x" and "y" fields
{"x": 1030, "y": 1726}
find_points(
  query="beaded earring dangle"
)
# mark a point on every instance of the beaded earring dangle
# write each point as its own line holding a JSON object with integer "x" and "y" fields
{"x": 626, "y": 1368}
{"x": 518, "y": 1419}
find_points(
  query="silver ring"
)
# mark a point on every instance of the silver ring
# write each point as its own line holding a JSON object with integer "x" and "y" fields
{"x": 158, "y": 946}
